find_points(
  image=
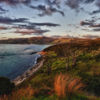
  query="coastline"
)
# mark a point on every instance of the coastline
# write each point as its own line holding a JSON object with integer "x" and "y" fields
{"x": 28, "y": 73}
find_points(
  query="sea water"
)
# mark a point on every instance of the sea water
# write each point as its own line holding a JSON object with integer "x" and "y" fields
{"x": 16, "y": 58}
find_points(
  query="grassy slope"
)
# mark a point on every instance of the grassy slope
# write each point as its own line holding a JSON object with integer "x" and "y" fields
{"x": 87, "y": 69}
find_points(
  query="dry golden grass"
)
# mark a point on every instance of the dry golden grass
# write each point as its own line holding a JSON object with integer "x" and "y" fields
{"x": 65, "y": 85}
{"x": 60, "y": 85}
{"x": 75, "y": 85}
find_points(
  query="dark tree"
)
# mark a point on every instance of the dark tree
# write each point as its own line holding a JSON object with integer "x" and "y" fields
{"x": 6, "y": 86}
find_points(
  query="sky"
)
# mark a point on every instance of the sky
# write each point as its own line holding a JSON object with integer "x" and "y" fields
{"x": 65, "y": 18}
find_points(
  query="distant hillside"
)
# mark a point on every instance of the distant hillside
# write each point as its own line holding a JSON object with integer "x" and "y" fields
{"x": 36, "y": 40}
{"x": 47, "y": 40}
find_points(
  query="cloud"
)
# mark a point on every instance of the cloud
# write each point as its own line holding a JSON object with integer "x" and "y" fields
{"x": 88, "y": 1}
{"x": 7, "y": 20}
{"x": 98, "y": 3}
{"x": 46, "y": 10}
{"x": 4, "y": 37}
{"x": 27, "y": 2}
{"x": 31, "y": 25}
{"x": 84, "y": 23}
{"x": 15, "y": 2}
{"x": 86, "y": 29}
{"x": 50, "y": 6}
{"x": 45, "y": 24}
{"x": 76, "y": 4}
{"x": 24, "y": 26}
{"x": 96, "y": 25}
{"x": 2, "y": 9}
{"x": 30, "y": 31}
{"x": 73, "y": 4}
{"x": 96, "y": 29}
{"x": 3, "y": 28}
{"x": 95, "y": 12}
{"x": 91, "y": 24}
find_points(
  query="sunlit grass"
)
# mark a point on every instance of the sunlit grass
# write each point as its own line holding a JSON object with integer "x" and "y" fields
{"x": 64, "y": 85}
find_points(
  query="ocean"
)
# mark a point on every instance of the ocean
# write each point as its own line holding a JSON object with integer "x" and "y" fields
{"x": 17, "y": 58}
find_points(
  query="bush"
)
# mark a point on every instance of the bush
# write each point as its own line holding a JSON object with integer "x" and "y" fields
{"x": 93, "y": 84}
{"x": 97, "y": 57}
{"x": 85, "y": 57}
{"x": 5, "y": 86}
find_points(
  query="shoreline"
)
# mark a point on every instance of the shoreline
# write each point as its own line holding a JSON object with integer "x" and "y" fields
{"x": 29, "y": 72}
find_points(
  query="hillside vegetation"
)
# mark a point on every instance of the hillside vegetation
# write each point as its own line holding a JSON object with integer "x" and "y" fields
{"x": 71, "y": 71}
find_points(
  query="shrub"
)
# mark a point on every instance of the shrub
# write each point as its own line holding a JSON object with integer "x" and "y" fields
{"x": 85, "y": 57}
{"x": 5, "y": 86}
{"x": 93, "y": 84}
